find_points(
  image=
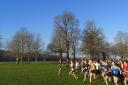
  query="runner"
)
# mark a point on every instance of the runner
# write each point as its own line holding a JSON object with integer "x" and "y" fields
{"x": 72, "y": 70}
{"x": 92, "y": 70}
{"x": 97, "y": 68}
{"x": 85, "y": 69}
{"x": 82, "y": 64}
{"x": 116, "y": 72}
{"x": 60, "y": 67}
{"x": 121, "y": 63}
{"x": 107, "y": 74}
{"x": 125, "y": 69}
{"x": 71, "y": 66}
{"x": 77, "y": 66}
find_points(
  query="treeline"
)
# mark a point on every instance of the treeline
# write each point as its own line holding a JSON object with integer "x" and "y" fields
{"x": 67, "y": 39}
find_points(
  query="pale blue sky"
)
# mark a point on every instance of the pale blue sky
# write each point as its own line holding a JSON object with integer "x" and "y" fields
{"x": 38, "y": 15}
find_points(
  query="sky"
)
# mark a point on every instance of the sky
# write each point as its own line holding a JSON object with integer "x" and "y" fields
{"x": 38, "y": 16}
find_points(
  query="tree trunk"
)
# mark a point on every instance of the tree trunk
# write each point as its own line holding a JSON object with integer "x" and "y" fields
{"x": 89, "y": 55}
{"x": 74, "y": 56}
{"x": 115, "y": 57}
{"x": 35, "y": 59}
{"x": 74, "y": 52}
{"x": 17, "y": 60}
{"x": 89, "y": 52}
{"x": 68, "y": 56}
{"x": 123, "y": 57}
{"x": 21, "y": 59}
{"x": 61, "y": 56}
{"x": 28, "y": 59}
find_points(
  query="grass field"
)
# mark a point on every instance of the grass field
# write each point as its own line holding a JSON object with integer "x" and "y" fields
{"x": 38, "y": 74}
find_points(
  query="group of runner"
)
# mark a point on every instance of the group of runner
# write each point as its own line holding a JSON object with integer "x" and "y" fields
{"x": 109, "y": 70}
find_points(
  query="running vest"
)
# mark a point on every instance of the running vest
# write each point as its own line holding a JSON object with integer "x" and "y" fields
{"x": 86, "y": 66}
{"x": 97, "y": 65}
{"x": 115, "y": 70}
{"x": 106, "y": 67}
{"x": 72, "y": 65}
{"x": 77, "y": 66}
{"x": 126, "y": 69}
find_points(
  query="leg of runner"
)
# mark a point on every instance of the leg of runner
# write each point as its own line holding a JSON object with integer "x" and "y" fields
{"x": 85, "y": 76}
{"x": 106, "y": 80}
{"x": 103, "y": 75}
{"x": 110, "y": 80}
{"x": 59, "y": 71}
{"x": 115, "y": 80}
{"x": 70, "y": 72}
{"x": 125, "y": 81}
{"x": 91, "y": 78}
{"x": 74, "y": 76}
{"x": 121, "y": 77}
{"x": 94, "y": 76}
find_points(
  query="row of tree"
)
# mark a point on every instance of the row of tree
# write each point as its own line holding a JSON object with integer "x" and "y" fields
{"x": 25, "y": 44}
{"x": 68, "y": 38}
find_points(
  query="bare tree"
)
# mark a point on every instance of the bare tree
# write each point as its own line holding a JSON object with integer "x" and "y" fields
{"x": 121, "y": 44}
{"x": 114, "y": 51}
{"x": 66, "y": 23}
{"x": 75, "y": 38}
{"x": 29, "y": 46}
{"x": 24, "y": 44}
{"x": 93, "y": 40}
{"x": 57, "y": 44}
{"x": 23, "y": 40}
{"x": 105, "y": 50}
{"x": 37, "y": 46}
{"x": 14, "y": 47}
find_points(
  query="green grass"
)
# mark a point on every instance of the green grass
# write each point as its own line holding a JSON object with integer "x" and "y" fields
{"x": 38, "y": 74}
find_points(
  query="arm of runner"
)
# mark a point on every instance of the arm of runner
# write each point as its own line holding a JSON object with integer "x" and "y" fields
{"x": 120, "y": 70}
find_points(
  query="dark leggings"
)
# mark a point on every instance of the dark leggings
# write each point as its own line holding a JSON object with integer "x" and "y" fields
{"x": 121, "y": 79}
